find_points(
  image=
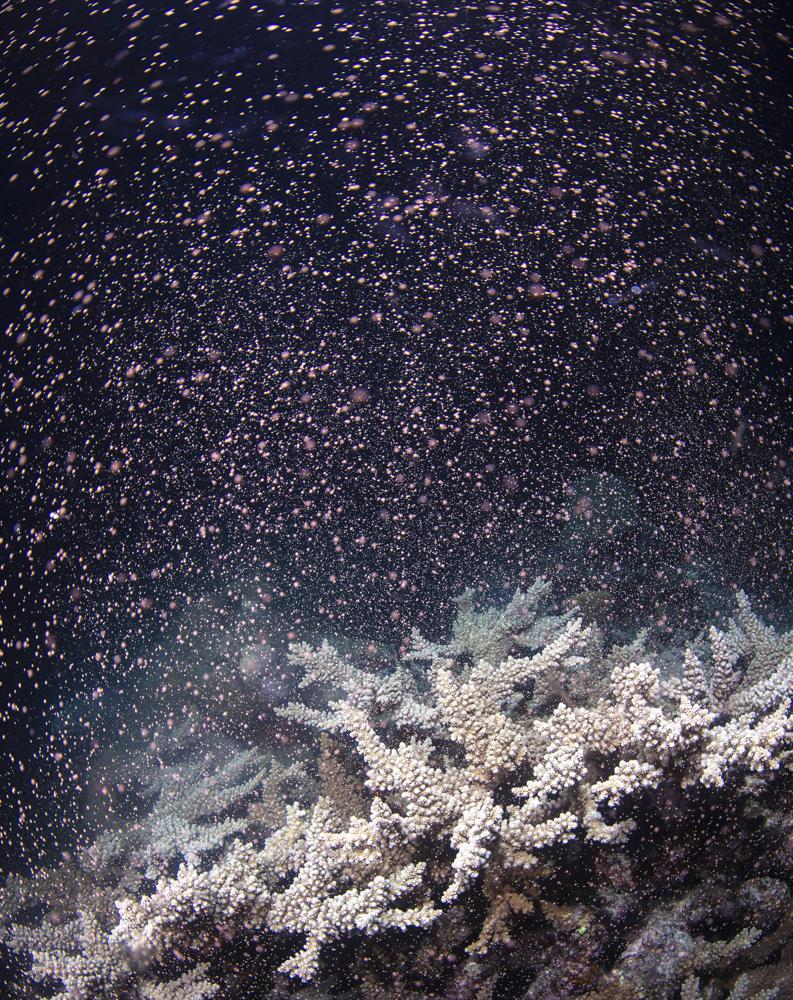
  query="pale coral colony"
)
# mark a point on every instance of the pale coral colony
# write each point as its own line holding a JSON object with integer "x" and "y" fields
{"x": 522, "y": 785}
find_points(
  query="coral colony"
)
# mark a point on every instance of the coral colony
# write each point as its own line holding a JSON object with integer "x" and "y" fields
{"x": 524, "y": 810}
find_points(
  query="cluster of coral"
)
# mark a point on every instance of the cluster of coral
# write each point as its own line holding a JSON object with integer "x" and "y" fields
{"x": 522, "y": 811}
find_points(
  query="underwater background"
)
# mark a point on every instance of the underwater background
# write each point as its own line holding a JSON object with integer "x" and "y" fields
{"x": 376, "y": 377}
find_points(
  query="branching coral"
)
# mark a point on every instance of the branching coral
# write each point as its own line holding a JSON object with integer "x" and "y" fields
{"x": 692, "y": 990}
{"x": 189, "y": 816}
{"x": 577, "y": 760}
{"x": 481, "y": 756}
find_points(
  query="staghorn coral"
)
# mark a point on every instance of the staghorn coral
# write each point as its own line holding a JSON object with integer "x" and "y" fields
{"x": 78, "y": 953}
{"x": 190, "y": 812}
{"x": 650, "y": 730}
{"x": 187, "y": 820}
{"x": 692, "y": 990}
{"x": 504, "y": 902}
{"x": 191, "y": 908}
{"x": 493, "y": 633}
{"x": 88, "y": 963}
{"x": 485, "y": 762}
{"x": 343, "y": 884}
{"x": 193, "y": 985}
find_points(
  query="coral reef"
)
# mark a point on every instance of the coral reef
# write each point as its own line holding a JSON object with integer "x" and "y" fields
{"x": 598, "y": 813}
